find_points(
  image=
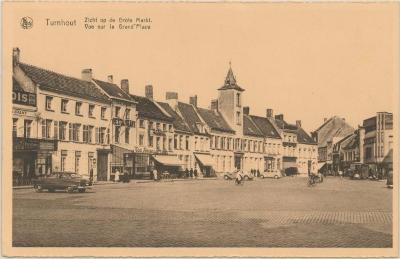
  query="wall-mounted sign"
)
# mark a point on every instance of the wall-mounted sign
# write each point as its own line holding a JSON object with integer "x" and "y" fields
{"x": 24, "y": 98}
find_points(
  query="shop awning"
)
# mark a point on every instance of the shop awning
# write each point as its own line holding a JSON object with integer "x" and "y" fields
{"x": 204, "y": 159}
{"x": 168, "y": 160}
{"x": 320, "y": 165}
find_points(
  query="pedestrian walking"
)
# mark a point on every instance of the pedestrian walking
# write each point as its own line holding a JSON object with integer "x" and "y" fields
{"x": 116, "y": 178}
{"x": 91, "y": 176}
{"x": 341, "y": 175}
{"x": 195, "y": 172}
{"x": 191, "y": 173}
{"x": 187, "y": 173}
{"x": 155, "y": 174}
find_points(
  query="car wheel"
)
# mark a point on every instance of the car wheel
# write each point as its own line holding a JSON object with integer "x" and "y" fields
{"x": 246, "y": 177}
{"x": 38, "y": 188}
{"x": 226, "y": 177}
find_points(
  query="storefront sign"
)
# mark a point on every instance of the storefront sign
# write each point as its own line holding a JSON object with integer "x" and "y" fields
{"x": 24, "y": 98}
{"x": 143, "y": 150}
{"x": 30, "y": 144}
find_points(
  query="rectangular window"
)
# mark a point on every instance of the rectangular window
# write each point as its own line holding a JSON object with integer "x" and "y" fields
{"x": 102, "y": 135}
{"x": 117, "y": 110}
{"x": 127, "y": 114}
{"x": 78, "y": 107}
{"x": 70, "y": 131}
{"x": 151, "y": 139}
{"x": 90, "y": 133}
{"x": 175, "y": 142}
{"x": 46, "y": 127}
{"x": 15, "y": 122}
{"x": 64, "y": 106}
{"x": 27, "y": 128}
{"x": 91, "y": 110}
{"x": 151, "y": 125}
{"x": 85, "y": 133}
{"x": 63, "y": 160}
{"x": 141, "y": 139}
{"x": 108, "y": 135}
{"x": 158, "y": 144}
{"x": 117, "y": 133}
{"x": 170, "y": 128}
{"x": 77, "y": 162}
{"x": 55, "y": 130}
{"x": 103, "y": 113}
{"x": 62, "y": 130}
{"x": 76, "y": 128}
{"x": 164, "y": 127}
{"x": 187, "y": 143}
{"x": 49, "y": 100}
{"x": 127, "y": 135}
{"x": 170, "y": 144}
{"x": 158, "y": 125}
{"x": 180, "y": 142}
{"x": 141, "y": 124}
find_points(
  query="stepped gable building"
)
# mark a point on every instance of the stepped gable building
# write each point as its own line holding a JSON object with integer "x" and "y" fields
{"x": 327, "y": 135}
{"x": 62, "y": 126}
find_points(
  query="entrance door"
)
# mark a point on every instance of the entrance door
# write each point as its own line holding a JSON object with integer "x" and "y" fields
{"x": 102, "y": 166}
{"x": 238, "y": 162}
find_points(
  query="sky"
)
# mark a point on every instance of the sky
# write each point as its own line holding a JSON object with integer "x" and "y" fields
{"x": 307, "y": 61}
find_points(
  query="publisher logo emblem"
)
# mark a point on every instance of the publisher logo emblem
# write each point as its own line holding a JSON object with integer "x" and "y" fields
{"x": 26, "y": 22}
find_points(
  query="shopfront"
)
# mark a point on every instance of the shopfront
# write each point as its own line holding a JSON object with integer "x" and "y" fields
{"x": 169, "y": 164}
{"x": 31, "y": 159}
{"x": 205, "y": 163}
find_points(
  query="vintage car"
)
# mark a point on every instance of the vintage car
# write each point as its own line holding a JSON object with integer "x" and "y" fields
{"x": 274, "y": 174}
{"x": 232, "y": 175}
{"x": 69, "y": 181}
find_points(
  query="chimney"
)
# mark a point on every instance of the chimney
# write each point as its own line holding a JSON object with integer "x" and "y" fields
{"x": 171, "y": 95}
{"x": 279, "y": 117}
{"x": 325, "y": 119}
{"x": 15, "y": 55}
{"x": 214, "y": 105}
{"x": 193, "y": 100}
{"x": 125, "y": 85}
{"x": 148, "y": 89}
{"x": 87, "y": 74}
{"x": 298, "y": 123}
{"x": 246, "y": 110}
{"x": 110, "y": 79}
{"x": 270, "y": 113}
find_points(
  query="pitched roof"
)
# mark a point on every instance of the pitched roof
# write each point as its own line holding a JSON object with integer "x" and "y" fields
{"x": 146, "y": 108}
{"x": 350, "y": 142}
{"x": 113, "y": 90}
{"x": 334, "y": 127}
{"x": 303, "y": 137}
{"x": 265, "y": 126}
{"x": 230, "y": 82}
{"x": 250, "y": 128}
{"x": 55, "y": 82}
{"x": 179, "y": 123}
{"x": 215, "y": 120}
{"x": 17, "y": 86}
{"x": 282, "y": 124}
{"x": 190, "y": 116}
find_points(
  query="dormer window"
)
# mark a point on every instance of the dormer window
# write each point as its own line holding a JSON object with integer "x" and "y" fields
{"x": 200, "y": 127}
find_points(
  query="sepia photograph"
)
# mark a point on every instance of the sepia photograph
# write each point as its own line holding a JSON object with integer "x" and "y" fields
{"x": 200, "y": 129}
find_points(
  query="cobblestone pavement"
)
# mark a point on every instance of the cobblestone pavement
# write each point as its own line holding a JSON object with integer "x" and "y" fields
{"x": 261, "y": 213}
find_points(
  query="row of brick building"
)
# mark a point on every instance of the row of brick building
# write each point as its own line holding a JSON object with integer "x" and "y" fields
{"x": 95, "y": 127}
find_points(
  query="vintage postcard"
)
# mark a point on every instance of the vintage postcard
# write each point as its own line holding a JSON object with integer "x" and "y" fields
{"x": 184, "y": 129}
